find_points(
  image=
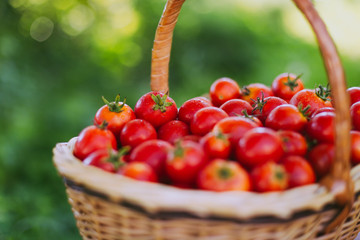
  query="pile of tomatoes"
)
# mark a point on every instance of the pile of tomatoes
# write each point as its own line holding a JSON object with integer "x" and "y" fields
{"x": 254, "y": 138}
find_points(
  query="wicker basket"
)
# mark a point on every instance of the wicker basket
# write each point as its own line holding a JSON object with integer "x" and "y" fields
{"x": 112, "y": 207}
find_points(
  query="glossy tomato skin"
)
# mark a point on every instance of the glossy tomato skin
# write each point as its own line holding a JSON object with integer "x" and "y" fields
{"x": 355, "y": 147}
{"x": 234, "y": 128}
{"x": 293, "y": 143}
{"x": 222, "y": 90}
{"x": 308, "y": 97}
{"x": 154, "y": 153}
{"x": 205, "y": 119}
{"x": 354, "y": 93}
{"x": 116, "y": 114}
{"x": 269, "y": 177}
{"x": 139, "y": 171}
{"x": 156, "y": 108}
{"x": 216, "y": 145}
{"x": 91, "y": 139}
{"x": 99, "y": 159}
{"x": 190, "y": 107}
{"x": 321, "y": 158}
{"x": 263, "y": 107}
{"x": 355, "y": 115}
{"x": 286, "y": 85}
{"x": 286, "y": 117}
{"x": 252, "y": 92}
{"x": 136, "y": 132}
{"x": 321, "y": 127}
{"x": 324, "y": 109}
{"x": 258, "y": 146}
{"x": 235, "y": 107}
{"x": 184, "y": 162}
{"x": 299, "y": 171}
{"x": 221, "y": 175}
{"x": 173, "y": 130}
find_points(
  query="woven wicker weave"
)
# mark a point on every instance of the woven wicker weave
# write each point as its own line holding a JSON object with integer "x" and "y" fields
{"x": 112, "y": 207}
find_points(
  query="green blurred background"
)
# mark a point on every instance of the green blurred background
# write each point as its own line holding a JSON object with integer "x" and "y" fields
{"x": 58, "y": 57}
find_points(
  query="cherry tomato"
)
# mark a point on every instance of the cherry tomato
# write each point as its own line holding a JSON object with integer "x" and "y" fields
{"x": 299, "y": 171}
{"x": 321, "y": 127}
{"x": 263, "y": 106}
{"x": 269, "y": 177}
{"x": 154, "y": 153}
{"x": 252, "y": 92}
{"x": 321, "y": 158}
{"x": 324, "y": 109}
{"x": 116, "y": 114}
{"x": 190, "y": 107}
{"x": 216, "y": 145}
{"x": 293, "y": 143}
{"x": 107, "y": 159}
{"x": 257, "y": 146}
{"x": 205, "y": 119}
{"x": 221, "y": 175}
{"x": 156, "y": 108}
{"x": 137, "y": 131}
{"x": 222, "y": 90}
{"x": 355, "y": 147}
{"x": 286, "y": 117}
{"x": 93, "y": 138}
{"x": 139, "y": 171}
{"x": 173, "y": 130}
{"x": 315, "y": 99}
{"x": 184, "y": 162}
{"x": 236, "y": 107}
{"x": 355, "y": 115}
{"x": 354, "y": 93}
{"x": 234, "y": 128}
{"x": 286, "y": 85}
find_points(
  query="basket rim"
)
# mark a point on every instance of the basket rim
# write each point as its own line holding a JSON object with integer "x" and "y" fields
{"x": 154, "y": 198}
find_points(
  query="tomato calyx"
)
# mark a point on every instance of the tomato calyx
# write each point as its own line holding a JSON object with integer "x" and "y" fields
{"x": 279, "y": 174}
{"x": 225, "y": 173}
{"x": 114, "y": 106}
{"x": 245, "y": 91}
{"x": 259, "y": 103}
{"x": 160, "y": 102}
{"x": 246, "y": 115}
{"x": 115, "y": 159}
{"x": 304, "y": 110}
{"x": 323, "y": 92}
{"x": 103, "y": 125}
{"x": 292, "y": 84}
{"x": 179, "y": 150}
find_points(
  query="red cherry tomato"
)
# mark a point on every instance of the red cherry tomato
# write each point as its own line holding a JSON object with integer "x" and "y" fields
{"x": 354, "y": 93}
{"x": 156, "y": 108}
{"x": 321, "y": 158}
{"x": 299, "y": 171}
{"x": 107, "y": 159}
{"x": 355, "y": 115}
{"x": 355, "y": 147}
{"x": 116, "y": 114}
{"x": 184, "y": 162}
{"x": 269, "y": 177}
{"x": 315, "y": 99}
{"x": 257, "y": 146}
{"x": 93, "y": 138}
{"x": 222, "y": 90}
{"x": 173, "y": 130}
{"x": 252, "y": 92}
{"x": 263, "y": 106}
{"x": 286, "y": 117}
{"x": 293, "y": 143}
{"x": 205, "y": 119}
{"x": 324, "y": 109}
{"x": 154, "y": 153}
{"x": 235, "y": 107}
{"x": 234, "y": 128}
{"x": 286, "y": 85}
{"x": 221, "y": 175}
{"x": 139, "y": 171}
{"x": 137, "y": 131}
{"x": 191, "y": 106}
{"x": 216, "y": 145}
{"x": 321, "y": 127}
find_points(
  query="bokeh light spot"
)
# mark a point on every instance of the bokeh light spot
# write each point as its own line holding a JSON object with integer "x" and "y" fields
{"x": 41, "y": 29}
{"x": 78, "y": 20}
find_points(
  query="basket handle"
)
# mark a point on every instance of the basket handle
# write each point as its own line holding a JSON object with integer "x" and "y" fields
{"x": 338, "y": 181}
